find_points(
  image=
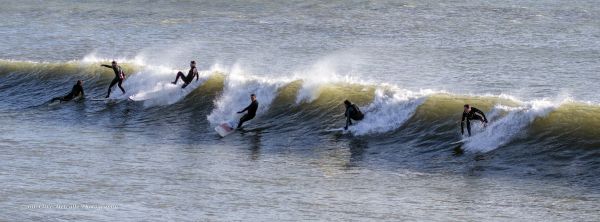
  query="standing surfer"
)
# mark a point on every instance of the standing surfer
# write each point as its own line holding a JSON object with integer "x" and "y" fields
{"x": 119, "y": 77}
{"x": 251, "y": 111}
{"x": 190, "y": 76}
{"x": 471, "y": 113}
{"x": 352, "y": 113}
{"x": 76, "y": 91}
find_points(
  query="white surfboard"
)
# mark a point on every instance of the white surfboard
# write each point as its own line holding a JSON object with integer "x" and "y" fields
{"x": 109, "y": 100}
{"x": 225, "y": 128}
{"x": 56, "y": 102}
{"x": 341, "y": 129}
{"x": 460, "y": 141}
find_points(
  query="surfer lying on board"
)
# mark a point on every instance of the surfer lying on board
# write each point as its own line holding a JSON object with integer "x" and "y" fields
{"x": 352, "y": 113}
{"x": 471, "y": 113}
{"x": 190, "y": 76}
{"x": 119, "y": 77}
{"x": 251, "y": 111}
{"x": 77, "y": 91}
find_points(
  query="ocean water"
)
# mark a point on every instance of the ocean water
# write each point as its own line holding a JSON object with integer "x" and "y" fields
{"x": 532, "y": 66}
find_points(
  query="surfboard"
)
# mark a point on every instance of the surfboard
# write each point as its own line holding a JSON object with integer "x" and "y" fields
{"x": 109, "y": 100}
{"x": 225, "y": 128}
{"x": 460, "y": 141}
{"x": 56, "y": 102}
{"x": 341, "y": 129}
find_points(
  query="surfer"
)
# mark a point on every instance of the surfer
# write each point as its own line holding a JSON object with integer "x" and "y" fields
{"x": 471, "y": 113}
{"x": 77, "y": 91}
{"x": 352, "y": 113}
{"x": 119, "y": 77}
{"x": 190, "y": 76}
{"x": 251, "y": 111}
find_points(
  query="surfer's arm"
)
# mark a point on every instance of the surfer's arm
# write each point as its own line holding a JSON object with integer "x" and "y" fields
{"x": 107, "y": 66}
{"x": 348, "y": 120}
{"x": 479, "y": 112}
{"x": 196, "y": 74}
{"x": 245, "y": 109}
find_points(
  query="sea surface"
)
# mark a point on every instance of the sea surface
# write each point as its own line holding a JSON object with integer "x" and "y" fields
{"x": 152, "y": 154}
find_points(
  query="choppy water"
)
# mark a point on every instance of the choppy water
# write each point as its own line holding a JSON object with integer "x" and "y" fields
{"x": 531, "y": 66}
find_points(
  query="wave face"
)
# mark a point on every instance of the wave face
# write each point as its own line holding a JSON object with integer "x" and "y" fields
{"x": 303, "y": 110}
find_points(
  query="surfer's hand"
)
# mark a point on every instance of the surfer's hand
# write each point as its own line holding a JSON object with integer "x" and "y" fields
{"x": 345, "y": 128}
{"x": 240, "y": 112}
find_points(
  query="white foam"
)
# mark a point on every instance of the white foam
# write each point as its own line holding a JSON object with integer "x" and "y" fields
{"x": 504, "y": 128}
{"x": 152, "y": 83}
{"x": 155, "y": 88}
{"x": 94, "y": 58}
{"x": 326, "y": 71}
{"x": 236, "y": 95}
{"x": 389, "y": 110}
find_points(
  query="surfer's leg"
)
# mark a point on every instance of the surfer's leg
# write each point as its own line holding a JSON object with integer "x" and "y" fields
{"x": 185, "y": 83}
{"x": 469, "y": 126}
{"x": 121, "y": 87}
{"x": 179, "y": 75}
{"x": 67, "y": 97}
{"x": 115, "y": 80}
{"x": 242, "y": 120}
{"x": 56, "y": 98}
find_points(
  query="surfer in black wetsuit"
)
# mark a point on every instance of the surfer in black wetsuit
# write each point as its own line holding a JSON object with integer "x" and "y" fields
{"x": 119, "y": 77}
{"x": 190, "y": 76}
{"x": 251, "y": 111}
{"x": 352, "y": 113}
{"x": 471, "y": 113}
{"x": 77, "y": 91}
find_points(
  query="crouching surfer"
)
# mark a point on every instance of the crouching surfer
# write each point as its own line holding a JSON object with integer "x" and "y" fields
{"x": 352, "y": 113}
{"x": 471, "y": 113}
{"x": 76, "y": 92}
{"x": 251, "y": 111}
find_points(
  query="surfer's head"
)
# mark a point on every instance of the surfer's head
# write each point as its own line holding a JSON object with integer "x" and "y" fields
{"x": 79, "y": 82}
{"x": 114, "y": 63}
{"x": 193, "y": 63}
{"x": 467, "y": 108}
{"x": 347, "y": 103}
{"x": 253, "y": 97}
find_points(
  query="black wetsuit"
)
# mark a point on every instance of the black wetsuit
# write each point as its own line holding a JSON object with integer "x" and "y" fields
{"x": 187, "y": 79}
{"x": 119, "y": 77}
{"x": 251, "y": 113}
{"x": 474, "y": 114}
{"x": 353, "y": 113}
{"x": 76, "y": 91}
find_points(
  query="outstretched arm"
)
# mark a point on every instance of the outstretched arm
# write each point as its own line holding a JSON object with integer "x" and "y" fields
{"x": 245, "y": 109}
{"x": 107, "y": 66}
